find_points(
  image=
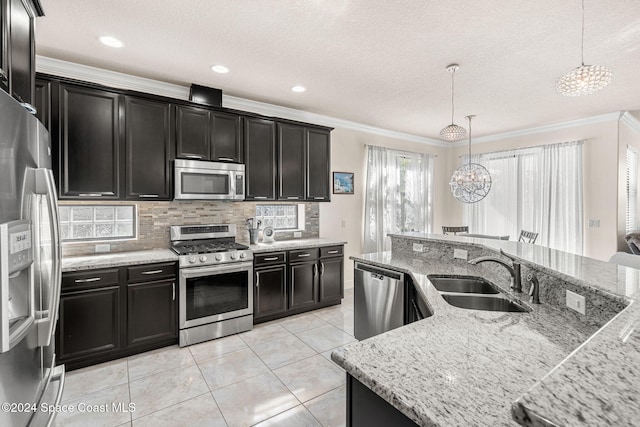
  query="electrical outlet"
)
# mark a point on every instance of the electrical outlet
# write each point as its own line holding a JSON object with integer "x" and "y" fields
{"x": 595, "y": 223}
{"x": 297, "y": 234}
{"x": 460, "y": 254}
{"x": 103, "y": 247}
{"x": 418, "y": 247}
{"x": 576, "y": 302}
{"x": 343, "y": 223}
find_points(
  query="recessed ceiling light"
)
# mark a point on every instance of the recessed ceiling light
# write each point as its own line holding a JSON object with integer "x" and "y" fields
{"x": 220, "y": 69}
{"x": 298, "y": 88}
{"x": 110, "y": 41}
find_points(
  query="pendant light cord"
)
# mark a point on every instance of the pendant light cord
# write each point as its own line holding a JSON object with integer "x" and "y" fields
{"x": 452, "y": 91}
{"x": 582, "y": 40}
{"x": 469, "y": 117}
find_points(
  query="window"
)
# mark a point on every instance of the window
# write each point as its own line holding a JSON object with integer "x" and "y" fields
{"x": 537, "y": 189}
{"x": 398, "y": 195}
{"x": 99, "y": 222}
{"x": 281, "y": 217}
{"x": 632, "y": 190}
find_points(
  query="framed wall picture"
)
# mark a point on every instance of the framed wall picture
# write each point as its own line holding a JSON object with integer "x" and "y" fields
{"x": 343, "y": 183}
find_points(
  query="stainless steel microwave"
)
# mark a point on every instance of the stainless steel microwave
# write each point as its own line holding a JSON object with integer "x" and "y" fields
{"x": 201, "y": 180}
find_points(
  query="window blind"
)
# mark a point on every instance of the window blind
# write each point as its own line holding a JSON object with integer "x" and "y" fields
{"x": 632, "y": 190}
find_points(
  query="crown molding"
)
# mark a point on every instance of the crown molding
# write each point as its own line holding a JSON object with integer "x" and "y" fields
{"x": 126, "y": 81}
{"x": 630, "y": 120}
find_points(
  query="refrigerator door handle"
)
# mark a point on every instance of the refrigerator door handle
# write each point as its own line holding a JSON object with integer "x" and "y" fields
{"x": 47, "y": 318}
{"x": 58, "y": 374}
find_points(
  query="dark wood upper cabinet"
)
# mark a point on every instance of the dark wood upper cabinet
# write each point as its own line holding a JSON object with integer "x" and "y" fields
{"x": 291, "y": 162}
{"x": 318, "y": 165}
{"x": 88, "y": 139}
{"x": 148, "y": 147}
{"x": 193, "y": 134}
{"x": 4, "y": 46}
{"x": 22, "y": 53}
{"x": 259, "y": 159}
{"x": 42, "y": 102}
{"x": 226, "y": 137}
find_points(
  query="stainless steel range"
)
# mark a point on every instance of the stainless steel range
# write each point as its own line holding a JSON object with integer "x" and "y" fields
{"x": 216, "y": 282}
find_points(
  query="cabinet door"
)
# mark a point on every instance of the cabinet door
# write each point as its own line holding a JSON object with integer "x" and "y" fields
{"x": 331, "y": 279}
{"x": 226, "y": 141}
{"x": 22, "y": 52}
{"x": 291, "y": 162}
{"x": 318, "y": 165}
{"x": 4, "y": 46}
{"x": 259, "y": 159}
{"x": 192, "y": 133}
{"x": 303, "y": 284}
{"x": 42, "y": 102}
{"x": 151, "y": 312}
{"x": 148, "y": 143}
{"x": 89, "y": 143}
{"x": 270, "y": 291}
{"x": 89, "y": 323}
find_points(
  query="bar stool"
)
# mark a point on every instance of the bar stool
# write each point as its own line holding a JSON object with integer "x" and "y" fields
{"x": 454, "y": 230}
{"x": 527, "y": 236}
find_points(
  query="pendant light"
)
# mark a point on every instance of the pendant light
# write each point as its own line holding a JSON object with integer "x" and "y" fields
{"x": 585, "y": 79}
{"x": 470, "y": 183}
{"x": 453, "y": 132}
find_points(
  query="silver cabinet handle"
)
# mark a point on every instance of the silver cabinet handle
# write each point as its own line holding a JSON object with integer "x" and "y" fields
{"x": 303, "y": 255}
{"x": 227, "y": 159}
{"x": 148, "y": 195}
{"x": 273, "y": 258}
{"x": 333, "y": 252}
{"x": 90, "y": 195}
{"x": 152, "y": 272}
{"x": 315, "y": 270}
{"x": 173, "y": 291}
{"x": 257, "y": 280}
{"x": 260, "y": 197}
{"x": 321, "y": 268}
{"x": 293, "y": 197}
{"x": 194, "y": 156}
{"x": 91, "y": 279}
{"x": 318, "y": 198}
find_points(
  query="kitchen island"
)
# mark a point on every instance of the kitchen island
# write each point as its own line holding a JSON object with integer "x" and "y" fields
{"x": 550, "y": 366}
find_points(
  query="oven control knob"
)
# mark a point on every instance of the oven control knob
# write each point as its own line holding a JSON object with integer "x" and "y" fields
{"x": 243, "y": 255}
{"x": 192, "y": 259}
{"x": 218, "y": 257}
{"x": 203, "y": 258}
{"x": 234, "y": 256}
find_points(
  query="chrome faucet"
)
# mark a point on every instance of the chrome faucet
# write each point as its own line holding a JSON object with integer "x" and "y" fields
{"x": 513, "y": 269}
{"x": 534, "y": 290}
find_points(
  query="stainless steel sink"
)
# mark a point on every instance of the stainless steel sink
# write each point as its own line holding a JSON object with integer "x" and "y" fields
{"x": 463, "y": 284}
{"x": 483, "y": 302}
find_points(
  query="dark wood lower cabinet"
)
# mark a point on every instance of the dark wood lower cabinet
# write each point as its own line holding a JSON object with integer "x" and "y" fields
{"x": 151, "y": 312}
{"x": 365, "y": 408}
{"x": 89, "y": 323}
{"x": 287, "y": 283}
{"x": 106, "y": 314}
{"x": 270, "y": 296}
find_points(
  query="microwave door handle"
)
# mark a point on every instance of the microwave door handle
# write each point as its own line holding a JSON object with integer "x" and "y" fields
{"x": 47, "y": 319}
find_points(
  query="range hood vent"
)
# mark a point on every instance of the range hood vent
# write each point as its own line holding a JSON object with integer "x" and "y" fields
{"x": 205, "y": 95}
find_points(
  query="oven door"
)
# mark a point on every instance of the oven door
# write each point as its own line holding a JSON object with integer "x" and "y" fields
{"x": 212, "y": 294}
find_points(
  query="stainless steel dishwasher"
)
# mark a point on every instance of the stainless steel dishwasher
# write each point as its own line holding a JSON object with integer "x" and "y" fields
{"x": 378, "y": 300}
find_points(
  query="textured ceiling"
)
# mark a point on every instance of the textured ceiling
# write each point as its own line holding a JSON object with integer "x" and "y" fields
{"x": 380, "y": 63}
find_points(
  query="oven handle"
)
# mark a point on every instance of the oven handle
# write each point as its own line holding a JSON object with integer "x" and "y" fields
{"x": 206, "y": 271}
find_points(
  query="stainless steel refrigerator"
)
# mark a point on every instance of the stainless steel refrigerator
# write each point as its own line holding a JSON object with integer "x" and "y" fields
{"x": 30, "y": 271}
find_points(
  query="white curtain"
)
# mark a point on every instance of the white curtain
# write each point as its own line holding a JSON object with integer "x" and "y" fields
{"x": 536, "y": 189}
{"x": 398, "y": 195}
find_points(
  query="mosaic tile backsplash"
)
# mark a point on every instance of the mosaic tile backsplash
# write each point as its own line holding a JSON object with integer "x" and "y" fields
{"x": 155, "y": 218}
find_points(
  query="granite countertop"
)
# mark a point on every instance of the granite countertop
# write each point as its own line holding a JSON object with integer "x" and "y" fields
{"x": 468, "y": 367}
{"x": 88, "y": 262}
{"x": 285, "y": 245}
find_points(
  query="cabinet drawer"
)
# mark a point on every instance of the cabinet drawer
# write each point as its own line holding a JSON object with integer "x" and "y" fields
{"x": 269, "y": 258}
{"x": 303, "y": 255}
{"x": 149, "y": 272}
{"x": 331, "y": 251}
{"x": 90, "y": 279}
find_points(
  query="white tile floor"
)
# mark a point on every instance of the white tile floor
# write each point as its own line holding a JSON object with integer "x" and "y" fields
{"x": 278, "y": 374}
